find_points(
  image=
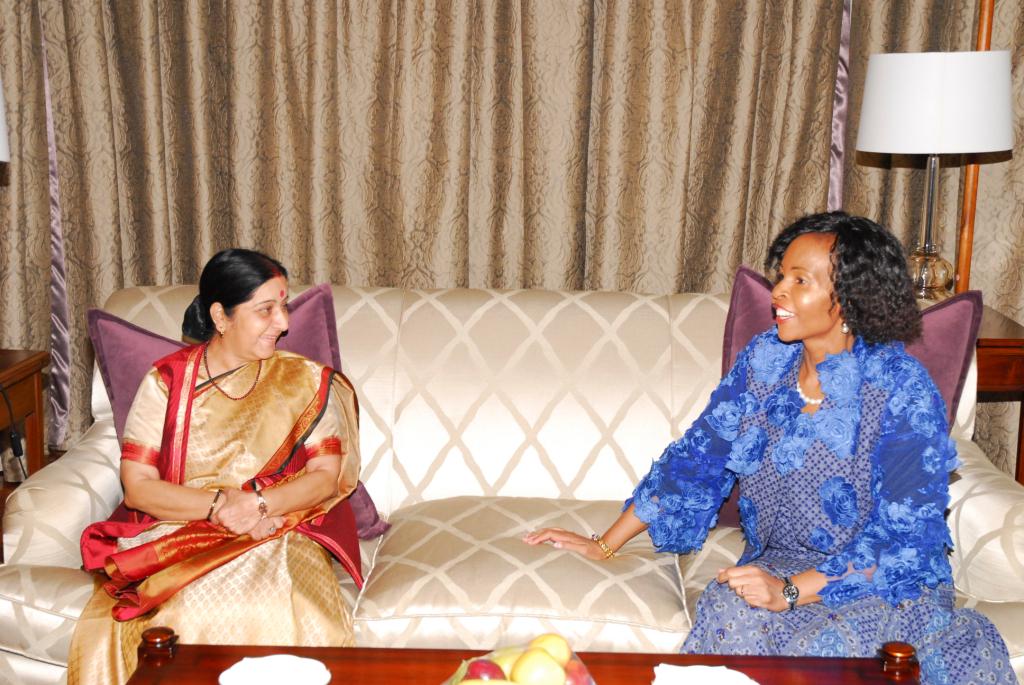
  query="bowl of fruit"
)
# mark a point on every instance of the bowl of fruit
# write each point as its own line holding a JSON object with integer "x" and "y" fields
{"x": 546, "y": 660}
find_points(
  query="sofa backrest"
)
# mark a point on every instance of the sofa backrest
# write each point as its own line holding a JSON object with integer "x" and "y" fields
{"x": 508, "y": 393}
{"x": 529, "y": 393}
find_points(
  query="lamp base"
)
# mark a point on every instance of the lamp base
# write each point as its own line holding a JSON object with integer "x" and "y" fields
{"x": 931, "y": 275}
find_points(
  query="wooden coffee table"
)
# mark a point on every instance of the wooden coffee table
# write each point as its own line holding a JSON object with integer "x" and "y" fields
{"x": 164, "y": 661}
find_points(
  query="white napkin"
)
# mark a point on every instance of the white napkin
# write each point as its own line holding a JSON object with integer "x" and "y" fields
{"x": 669, "y": 674}
{"x": 276, "y": 669}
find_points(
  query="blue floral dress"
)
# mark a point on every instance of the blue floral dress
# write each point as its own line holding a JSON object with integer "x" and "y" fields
{"x": 856, "y": 490}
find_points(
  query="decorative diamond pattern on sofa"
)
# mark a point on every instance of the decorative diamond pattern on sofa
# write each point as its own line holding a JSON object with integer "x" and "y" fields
{"x": 456, "y": 572}
{"x": 40, "y": 608}
{"x": 986, "y": 518}
{"x": 529, "y": 393}
{"x": 44, "y": 518}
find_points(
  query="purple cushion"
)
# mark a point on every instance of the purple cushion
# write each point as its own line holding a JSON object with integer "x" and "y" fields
{"x": 949, "y": 332}
{"x": 125, "y": 353}
{"x": 312, "y": 328}
{"x": 369, "y": 524}
{"x": 750, "y": 313}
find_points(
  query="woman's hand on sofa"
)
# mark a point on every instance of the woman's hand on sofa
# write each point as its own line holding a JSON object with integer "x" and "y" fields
{"x": 560, "y": 538}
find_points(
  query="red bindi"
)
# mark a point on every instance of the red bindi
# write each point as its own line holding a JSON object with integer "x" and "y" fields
{"x": 281, "y": 294}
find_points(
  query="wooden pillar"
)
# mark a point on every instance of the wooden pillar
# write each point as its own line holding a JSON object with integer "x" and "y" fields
{"x": 965, "y": 244}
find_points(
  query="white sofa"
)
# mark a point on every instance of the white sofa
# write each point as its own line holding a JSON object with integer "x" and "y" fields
{"x": 486, "y": 414}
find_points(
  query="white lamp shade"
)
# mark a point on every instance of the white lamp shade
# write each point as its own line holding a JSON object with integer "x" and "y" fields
{"x": 937, "y": 102}
{"x": 5, "y": 148}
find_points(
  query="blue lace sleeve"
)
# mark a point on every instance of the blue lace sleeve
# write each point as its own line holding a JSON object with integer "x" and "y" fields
{"x": 679, "y": 497}
{"x": 904, "y": 543}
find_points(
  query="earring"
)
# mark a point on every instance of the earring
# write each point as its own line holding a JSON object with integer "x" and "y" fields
{"x": 845, "y": 328}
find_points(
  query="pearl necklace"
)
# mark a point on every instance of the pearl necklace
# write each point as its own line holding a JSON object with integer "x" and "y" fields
{"x": 807, "y": 400}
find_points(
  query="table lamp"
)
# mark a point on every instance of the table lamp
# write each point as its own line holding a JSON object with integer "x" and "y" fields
{"x": 932, "y": 103}
{"x": 5, "y": 149}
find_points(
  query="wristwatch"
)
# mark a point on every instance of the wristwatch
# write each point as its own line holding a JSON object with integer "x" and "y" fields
{"x": 790, "y": 592}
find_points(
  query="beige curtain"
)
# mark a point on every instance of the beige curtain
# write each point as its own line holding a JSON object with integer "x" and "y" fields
{"x": 892, "y": 189}
{"x": 649, "y": 146}
{"x": 24, "y": 195}
{"x": 710, "y": 131}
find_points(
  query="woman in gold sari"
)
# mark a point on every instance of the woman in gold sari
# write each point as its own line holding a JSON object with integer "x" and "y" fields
{"x": 236, "y": 460}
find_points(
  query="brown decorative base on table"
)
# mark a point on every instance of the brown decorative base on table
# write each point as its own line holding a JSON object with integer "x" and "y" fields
{"x": 162, "y": 660}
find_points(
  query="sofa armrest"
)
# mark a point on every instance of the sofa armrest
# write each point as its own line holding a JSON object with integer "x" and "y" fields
{"x": 45, "y": 516}
{"x": 986, "y": 520}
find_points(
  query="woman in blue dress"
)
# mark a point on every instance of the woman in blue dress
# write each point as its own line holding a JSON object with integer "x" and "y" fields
{"x": 838, "y": 439}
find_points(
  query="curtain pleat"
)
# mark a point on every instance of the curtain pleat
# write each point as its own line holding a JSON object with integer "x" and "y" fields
{"x": 840, "y": 112}
{"x": 58, "y": 391}
{"x": 24, "y": 195}
{"x": 709, "y": 132}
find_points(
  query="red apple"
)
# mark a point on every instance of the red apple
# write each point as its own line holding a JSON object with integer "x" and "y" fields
{"x": 484, "y": 669}
{"x": 576, "y": 673}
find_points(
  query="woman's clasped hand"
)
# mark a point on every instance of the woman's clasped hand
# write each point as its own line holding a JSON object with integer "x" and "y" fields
{"x": 239, "y": 512}
{"x": 755, "y": 586}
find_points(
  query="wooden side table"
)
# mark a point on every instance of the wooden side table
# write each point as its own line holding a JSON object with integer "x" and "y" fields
{"x": 21, "y": 374}
{"x": 1001, "y": 368}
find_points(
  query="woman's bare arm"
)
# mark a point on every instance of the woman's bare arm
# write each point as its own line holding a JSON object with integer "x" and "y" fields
{"x": 625, "y": 528}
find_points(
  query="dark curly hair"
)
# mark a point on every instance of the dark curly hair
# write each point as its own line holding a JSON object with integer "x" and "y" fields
{"x": 869, "y": 275}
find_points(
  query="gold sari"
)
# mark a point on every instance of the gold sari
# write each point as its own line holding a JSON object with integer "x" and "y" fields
{"x": 208, "y": 585}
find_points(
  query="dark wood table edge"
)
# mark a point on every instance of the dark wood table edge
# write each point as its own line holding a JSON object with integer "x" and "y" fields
{"x": 1000, "y": 350}
{"x": 159, "y": 651}
{"x": 18, "y": 367}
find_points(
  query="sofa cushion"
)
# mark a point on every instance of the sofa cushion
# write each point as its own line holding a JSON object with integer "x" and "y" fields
{"x": 986, "y": 521}
{"x": 39, "y": 607}
{"x": 949, "y": 331}
{"x": 750, "y": 313}
{"x": 455, "y": 572}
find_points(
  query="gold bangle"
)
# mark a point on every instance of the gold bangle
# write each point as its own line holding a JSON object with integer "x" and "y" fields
{"x": 216, "y": 497}
{"x": 608, "y": 551}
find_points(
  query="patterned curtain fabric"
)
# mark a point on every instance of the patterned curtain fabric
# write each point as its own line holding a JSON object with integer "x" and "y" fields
{"x": 710, "y": 130}
{"x": 24, "y": 196}
{"x": 646, "y": 146}
{"x": 892, "y": 189}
